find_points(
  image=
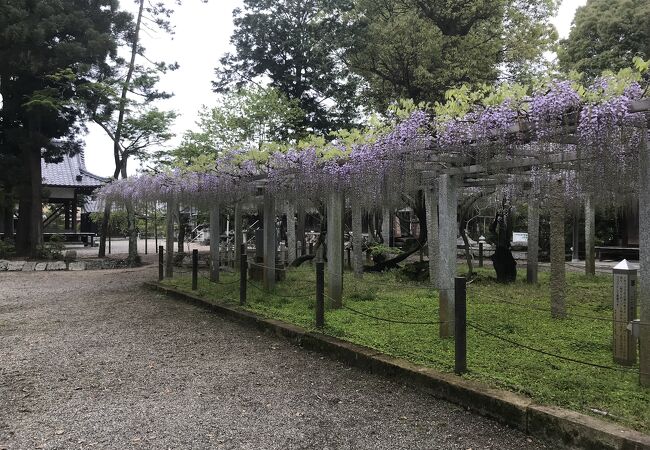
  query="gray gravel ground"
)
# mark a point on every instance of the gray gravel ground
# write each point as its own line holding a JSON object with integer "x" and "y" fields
{"x": 93, "y": 360}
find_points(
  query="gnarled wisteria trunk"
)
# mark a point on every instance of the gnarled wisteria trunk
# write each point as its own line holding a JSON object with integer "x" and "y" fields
{"x": 558, "y": 276}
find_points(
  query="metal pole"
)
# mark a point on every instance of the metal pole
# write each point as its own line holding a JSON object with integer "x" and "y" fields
{"x": 243, "y": 268}
{"x": 320, "y": 294}
{"x": 195, "y": 269}
{"x": 161, "y": 263}
{"x": 460, "y": 313}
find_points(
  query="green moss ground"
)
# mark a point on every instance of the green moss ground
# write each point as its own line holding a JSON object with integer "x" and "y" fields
{"x": 546, "y": 379}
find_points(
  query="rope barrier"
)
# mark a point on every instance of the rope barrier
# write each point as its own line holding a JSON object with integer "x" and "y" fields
{"x": 278, "y": 295}
{"x": 544, "y": 352}
{"x": 267, "y": 267}
{"x": 547, "y": 310}
{"x": 388, "y": 320}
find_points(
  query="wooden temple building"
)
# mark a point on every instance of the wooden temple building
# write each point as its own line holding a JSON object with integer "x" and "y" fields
{"x": 68, "y": 187}
{"x": 67, "y": 192}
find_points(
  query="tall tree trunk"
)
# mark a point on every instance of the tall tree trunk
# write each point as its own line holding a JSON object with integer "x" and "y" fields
{"x": 30, "y": 221}
{"x": 120, "y": 157}
{"x": 106, "y": 217}
{"x": 133, "y": 258}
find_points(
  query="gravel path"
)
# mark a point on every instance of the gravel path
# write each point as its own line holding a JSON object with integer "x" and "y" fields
{"x": 93, "y": 360}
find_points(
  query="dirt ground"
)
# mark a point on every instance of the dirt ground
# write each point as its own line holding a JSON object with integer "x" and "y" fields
{"x": 92, "y": 360}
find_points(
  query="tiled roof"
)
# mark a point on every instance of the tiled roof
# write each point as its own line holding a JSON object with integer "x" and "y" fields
{"x": 71, "y": 172}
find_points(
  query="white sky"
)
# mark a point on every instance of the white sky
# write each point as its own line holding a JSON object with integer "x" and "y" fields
{"x": 202, "y": 37}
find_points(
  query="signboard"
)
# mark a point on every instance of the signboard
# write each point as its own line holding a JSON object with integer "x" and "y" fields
{"x": 624, "y": 312}
{"x": 520, "y": 238}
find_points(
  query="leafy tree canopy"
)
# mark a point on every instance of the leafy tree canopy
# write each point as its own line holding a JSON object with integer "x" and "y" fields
{"x": 295, "y": 46}
{"x": 421, "y": 48}
{"x": 606, "y": 35}
{"x": 253, "y": 119}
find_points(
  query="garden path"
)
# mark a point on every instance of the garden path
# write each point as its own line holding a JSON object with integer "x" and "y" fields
{"x": 93, "y": 360}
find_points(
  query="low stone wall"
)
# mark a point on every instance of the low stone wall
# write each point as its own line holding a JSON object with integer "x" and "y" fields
{"x": 39, "y": 266}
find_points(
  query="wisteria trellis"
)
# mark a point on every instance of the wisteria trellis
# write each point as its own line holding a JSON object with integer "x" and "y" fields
{"x": 607, "y": 135}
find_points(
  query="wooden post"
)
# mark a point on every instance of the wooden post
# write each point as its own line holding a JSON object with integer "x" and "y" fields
{"x": 215, "y": 238}
{"x": 480, "y": 254}
{"x": 447, "y": 214}
{"x": 575, "y": 254}
{"x": 161, "y": 264}
{"x": 300, "y": 230}
{"x": 357, "y": 239}
{"x": 290, "y": 211}
{"x": 169, "y": 251}
{"x": 239, "y": 236}
{"x": 320, "y": 294}
{"x": 195, "y": 269}
{"x": 460, "y": 322}
{"x": 243, "y": 268}
{"x": 270, "y": 246}
{"x": 590, "y": 236}
{"x": 335, "y": 214}
{"x": 558, "y": 281}
{"x": 532, "y": 257}
{"x": 146, "y": 229}
{"x": 386, "y": 225}
{"x": 75, "y": 206}
{"x": 155, "y": 223}
{"x": 644, "y": 260}
{"x": 431, "y": 200}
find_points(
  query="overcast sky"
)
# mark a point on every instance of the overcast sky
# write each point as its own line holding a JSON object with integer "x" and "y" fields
{"x": 201, "y": 38}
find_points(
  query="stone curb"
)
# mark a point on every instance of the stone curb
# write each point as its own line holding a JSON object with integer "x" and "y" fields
{"x": 556, "y": 425}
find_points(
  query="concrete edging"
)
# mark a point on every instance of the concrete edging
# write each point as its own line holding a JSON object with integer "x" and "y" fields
{"x": 556, "y": 425}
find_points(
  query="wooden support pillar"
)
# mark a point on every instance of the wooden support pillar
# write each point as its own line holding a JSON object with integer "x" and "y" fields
{"x": 239, "y": 236}
{"x": 169, "y": 250}
{"x": 290, "y": 211}
{"x": 357, "y": 239}
{"x": 386, "y": 225}
{"x": 75, "y": 205}
{"x": 447, "y": 214}
{"x": 532, "y": 258}
{"x": 431, "y": 201}
{"x": 66, "y": 209}
{"x": 644, "y": 260}
{"x": 335, "y": 215}
{"x": 590, "y": 236}
{"x": 558, "y": 276}
{"x": 215, "y": 238}
{"x": 270, "y": 245}
{"x": 575, "y": 254}
{"x": 300, "y": 230}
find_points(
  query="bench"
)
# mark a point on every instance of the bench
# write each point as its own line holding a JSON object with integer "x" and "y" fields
{"x": 617, "y": 253}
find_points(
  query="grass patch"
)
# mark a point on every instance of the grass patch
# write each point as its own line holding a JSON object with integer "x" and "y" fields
{"x": 525, "y": 320}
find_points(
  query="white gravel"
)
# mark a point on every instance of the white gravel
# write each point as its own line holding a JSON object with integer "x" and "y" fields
{"x": 92, "y": 360}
